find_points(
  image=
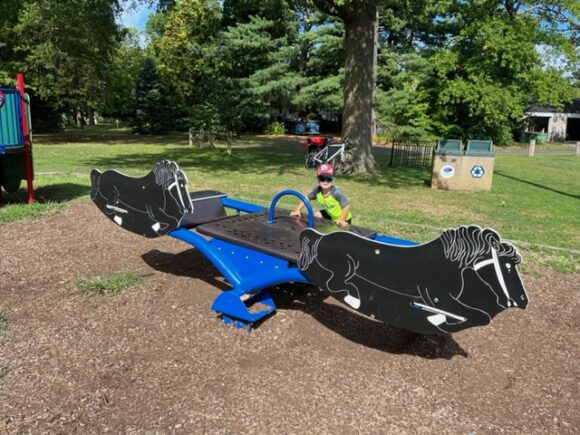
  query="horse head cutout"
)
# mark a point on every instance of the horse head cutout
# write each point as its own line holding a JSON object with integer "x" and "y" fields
{"x": 493, "y": 261}
{"x": 150, "y": 206}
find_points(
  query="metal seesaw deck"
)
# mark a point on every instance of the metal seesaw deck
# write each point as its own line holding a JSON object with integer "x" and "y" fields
{"x": 280, "y": 238}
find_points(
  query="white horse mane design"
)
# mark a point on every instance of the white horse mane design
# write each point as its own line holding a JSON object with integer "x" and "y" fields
{"x": 467, "y": 244}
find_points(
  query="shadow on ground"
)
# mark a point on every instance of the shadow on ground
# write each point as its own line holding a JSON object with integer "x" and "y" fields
{"x": 256, "y": 160}
{"x": 250, "y": 154}
{"x": 540, "y": 186}
{"x": 310, "y": 300}
{"x": 54, "y": 193}
{"x": 110, "y": 136}
{"x": 253, "y": 160}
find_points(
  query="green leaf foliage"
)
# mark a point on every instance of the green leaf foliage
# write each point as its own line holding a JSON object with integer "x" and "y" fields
{"x": 152, "y": 108}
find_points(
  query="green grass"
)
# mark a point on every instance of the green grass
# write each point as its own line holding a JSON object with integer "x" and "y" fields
{"x": 20, "y": 211}
{"x": 111, "y": 284}
{"x": 533, "y": 200}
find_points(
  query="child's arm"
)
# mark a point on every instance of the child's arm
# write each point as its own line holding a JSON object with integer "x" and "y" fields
{"x": 296, "y": 211}
{"x": 341, "y": 222}
{"x": 300, "y": 206}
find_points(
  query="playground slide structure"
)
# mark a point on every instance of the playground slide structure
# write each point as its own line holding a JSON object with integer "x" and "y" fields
{"x": 15, "y": 140}
{"x": 460, "y": 280}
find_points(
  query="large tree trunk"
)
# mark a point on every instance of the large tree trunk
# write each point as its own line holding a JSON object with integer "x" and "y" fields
{"x": 360, "y": 20}
{"x": 360, "y": 26}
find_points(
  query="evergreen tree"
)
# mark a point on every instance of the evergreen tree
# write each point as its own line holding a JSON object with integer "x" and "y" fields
{"x": 260, "y": 65}
{"x": 321, "y": 64}
{"x": 152, "y": 108}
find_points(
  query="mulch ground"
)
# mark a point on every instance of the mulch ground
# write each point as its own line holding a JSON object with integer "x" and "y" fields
{"x": 155, "y": 358}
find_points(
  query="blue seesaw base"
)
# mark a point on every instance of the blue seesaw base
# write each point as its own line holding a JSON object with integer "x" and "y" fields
{"x": 249, "y": 272}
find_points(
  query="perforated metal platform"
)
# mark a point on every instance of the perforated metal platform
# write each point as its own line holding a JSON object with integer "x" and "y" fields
{"x": 281, "y": 238}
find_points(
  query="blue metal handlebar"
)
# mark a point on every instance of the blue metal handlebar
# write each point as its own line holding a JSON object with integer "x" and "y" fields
{"x": 300, "y": 197}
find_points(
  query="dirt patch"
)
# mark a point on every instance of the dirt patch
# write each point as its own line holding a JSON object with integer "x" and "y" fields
{"x": 156, "y": 359}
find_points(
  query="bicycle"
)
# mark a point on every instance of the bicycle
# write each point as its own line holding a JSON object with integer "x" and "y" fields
{"x": 327, "y": 153}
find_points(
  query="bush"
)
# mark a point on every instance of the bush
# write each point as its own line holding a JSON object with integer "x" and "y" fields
{"x": 276, "y": 128}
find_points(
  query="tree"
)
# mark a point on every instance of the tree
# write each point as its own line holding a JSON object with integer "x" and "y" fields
{"x": 402, "y": 96}
{"x": 409, "y": 32}
{"x": 63, "y": 48}
{"x": 152, "y": 108}
{"x": 484, "y": 81}
{"x": 261, "y": 66}
{"x": 360, "y": 21}
{"x": 320, "y": 62}
{"x": 188, "y": 29}
{"x": 120, "y": 77}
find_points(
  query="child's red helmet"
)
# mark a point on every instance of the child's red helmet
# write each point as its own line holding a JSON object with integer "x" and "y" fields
{"x": 325, "y": 169}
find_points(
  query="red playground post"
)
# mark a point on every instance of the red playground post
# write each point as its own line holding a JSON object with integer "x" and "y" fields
{"x": 26, "y": 135}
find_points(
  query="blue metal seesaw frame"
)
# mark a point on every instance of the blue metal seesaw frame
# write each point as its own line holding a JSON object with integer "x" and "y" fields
{"x": 247, "y": 270}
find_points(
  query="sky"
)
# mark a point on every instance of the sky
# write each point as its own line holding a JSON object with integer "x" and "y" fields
{"x": 136, "y": 17}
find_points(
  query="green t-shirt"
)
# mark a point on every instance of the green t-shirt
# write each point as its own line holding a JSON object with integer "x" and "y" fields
{"x": 333, "y": 203}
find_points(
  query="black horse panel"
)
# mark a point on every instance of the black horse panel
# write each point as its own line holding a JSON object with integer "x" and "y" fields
{"x": 459, "y": 280}
{"x": 150, "y": 206}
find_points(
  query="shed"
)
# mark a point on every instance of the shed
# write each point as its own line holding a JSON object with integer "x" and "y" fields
{"x": 558, "y": 125}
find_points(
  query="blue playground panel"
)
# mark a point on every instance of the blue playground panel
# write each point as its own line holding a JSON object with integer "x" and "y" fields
{"x": 10, "y": 121}
{"x": 12, "y": 152}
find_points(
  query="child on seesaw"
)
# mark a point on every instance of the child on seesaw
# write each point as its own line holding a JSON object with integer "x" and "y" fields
{"x": 334, "y": 204}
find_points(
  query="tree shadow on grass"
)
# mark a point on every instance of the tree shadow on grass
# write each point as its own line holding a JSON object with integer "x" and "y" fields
{"x": 255, "y": 160}
{"x": 110, "y": 136}
{"x": 247, "y": 161}
{"x": 394, "y": 177}
{"x": 251, "y": 154}
{"x": 308, "y": 299}
{"x": 540, "y": 186}
{"x": 52, "y": 193}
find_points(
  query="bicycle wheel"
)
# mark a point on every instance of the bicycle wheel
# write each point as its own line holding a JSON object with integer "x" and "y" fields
{"x": 310, "y": 161}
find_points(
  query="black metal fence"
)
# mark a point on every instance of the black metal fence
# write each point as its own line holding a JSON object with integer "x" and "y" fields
{"x": 412, "y": 153}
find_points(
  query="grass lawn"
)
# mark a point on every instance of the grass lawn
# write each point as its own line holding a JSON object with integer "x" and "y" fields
{"x": 534, "y": 200}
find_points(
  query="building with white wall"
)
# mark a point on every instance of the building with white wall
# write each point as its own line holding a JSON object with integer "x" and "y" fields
{"x": 560, "y": 125}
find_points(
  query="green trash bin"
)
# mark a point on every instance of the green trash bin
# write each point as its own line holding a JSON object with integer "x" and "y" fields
{"x": 449, "y": 147}
{"x": 457, "y": 169}
{"x": 447, "y": 162}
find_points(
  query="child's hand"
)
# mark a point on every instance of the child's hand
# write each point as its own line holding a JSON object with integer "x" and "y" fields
{"x": 341, "y": 223}
{"x": 295, "y": 213}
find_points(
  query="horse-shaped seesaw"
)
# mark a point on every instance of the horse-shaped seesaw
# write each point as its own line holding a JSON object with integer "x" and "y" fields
{"x": 150, "y": 206}
{"x": 462, "y": 279}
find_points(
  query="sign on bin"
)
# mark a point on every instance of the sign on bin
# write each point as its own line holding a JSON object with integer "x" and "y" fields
{"x": 477, "y": 171}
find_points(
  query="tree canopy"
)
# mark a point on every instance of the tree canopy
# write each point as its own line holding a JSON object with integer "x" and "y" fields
{"x": 421, "y": 68}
